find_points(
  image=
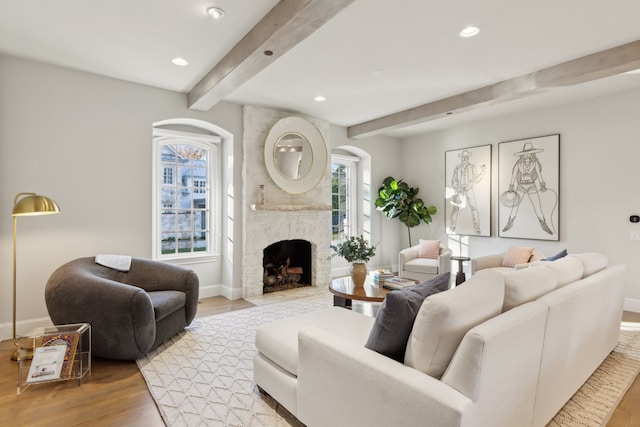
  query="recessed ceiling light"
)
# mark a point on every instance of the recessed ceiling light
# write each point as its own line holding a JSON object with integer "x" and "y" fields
{"x": 470, "y": 31}
{"x": 180, "y": 62}
{"x": 319, "y": 98}
{"x": 215, "y": 12}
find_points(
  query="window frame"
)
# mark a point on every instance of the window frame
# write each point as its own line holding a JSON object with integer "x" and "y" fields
{"x": 210, "y": 143}
{"x": 353, "y": 194}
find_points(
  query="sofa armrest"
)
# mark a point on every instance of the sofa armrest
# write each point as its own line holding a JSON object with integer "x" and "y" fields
{"x": 159, "y": 276}
{"x": 335, "y": 373}
{"x": 487, "y": 261}
{"x": 107, "y": 306}
{"x": 445, "y": 260}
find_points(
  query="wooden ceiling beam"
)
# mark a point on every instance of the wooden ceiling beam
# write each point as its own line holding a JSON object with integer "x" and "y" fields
{"x": 286, "y": 25}
{"x": 599, "y": 65}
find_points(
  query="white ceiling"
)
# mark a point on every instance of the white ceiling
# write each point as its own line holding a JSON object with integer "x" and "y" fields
{"x": 374, "y": 58}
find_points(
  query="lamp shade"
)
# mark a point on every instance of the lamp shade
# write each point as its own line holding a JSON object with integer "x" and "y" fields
{"x": 34, "y": 204}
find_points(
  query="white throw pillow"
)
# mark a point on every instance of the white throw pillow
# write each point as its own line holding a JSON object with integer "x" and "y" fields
{"x": 445, "y": 318}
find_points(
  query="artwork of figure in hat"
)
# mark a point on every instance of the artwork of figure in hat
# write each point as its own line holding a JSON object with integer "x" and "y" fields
{"x": 526, "y": 181}
{"x": 464, "y": 177}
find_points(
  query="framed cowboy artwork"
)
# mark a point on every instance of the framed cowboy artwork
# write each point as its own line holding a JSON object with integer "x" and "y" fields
{"x": 468, "y": 191}
{"x": 529, "y": 188}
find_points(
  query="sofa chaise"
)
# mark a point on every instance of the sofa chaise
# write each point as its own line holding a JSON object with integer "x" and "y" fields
{"x": 498, "y": 350}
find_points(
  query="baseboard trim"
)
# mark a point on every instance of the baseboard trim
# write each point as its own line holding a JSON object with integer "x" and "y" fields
{"x": 632, "y": 304}
{"x": 23, "y": 327}
{"x": 220, "y": 290}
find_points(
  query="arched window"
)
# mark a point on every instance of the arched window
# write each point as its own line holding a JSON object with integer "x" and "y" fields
{"x": 350, "y": 193}
{"x": 344, "y": 190}
{"x": 186, "y": 190}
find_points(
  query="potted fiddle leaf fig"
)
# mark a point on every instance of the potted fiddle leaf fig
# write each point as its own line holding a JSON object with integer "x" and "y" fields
{"x": 396, "y": 199}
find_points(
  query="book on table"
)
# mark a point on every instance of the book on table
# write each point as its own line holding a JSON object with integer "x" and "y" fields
{"x": 381, "y": 275}
{"x": 398, "y": 283}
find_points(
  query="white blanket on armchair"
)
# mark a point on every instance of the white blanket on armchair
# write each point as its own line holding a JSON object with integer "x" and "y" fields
{"x": 117, "y": 262}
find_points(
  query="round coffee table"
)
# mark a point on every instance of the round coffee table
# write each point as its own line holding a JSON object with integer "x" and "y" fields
{"x": 344, "y": 291}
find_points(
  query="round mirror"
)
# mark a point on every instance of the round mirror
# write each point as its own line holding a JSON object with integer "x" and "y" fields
{"x": 295, "y": 155}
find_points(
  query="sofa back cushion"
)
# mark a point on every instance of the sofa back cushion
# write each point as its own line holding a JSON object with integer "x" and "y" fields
{"x": 527, "y": 285}
{"x": 396, "y": 315}
{"x": 444, "y": 318}
{"x": 567, "y": 269}
{"x": 592, "y": 262}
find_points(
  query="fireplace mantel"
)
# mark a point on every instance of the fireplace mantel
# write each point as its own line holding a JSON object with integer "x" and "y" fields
{"x": 271, "y": 207}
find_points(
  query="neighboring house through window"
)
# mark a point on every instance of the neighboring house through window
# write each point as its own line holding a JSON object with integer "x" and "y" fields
{"x": 184, "y": 191}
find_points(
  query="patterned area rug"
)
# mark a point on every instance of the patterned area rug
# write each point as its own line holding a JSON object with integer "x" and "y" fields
{"x": 204, "y": 375}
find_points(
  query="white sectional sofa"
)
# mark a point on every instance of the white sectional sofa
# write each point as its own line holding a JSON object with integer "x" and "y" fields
{"x": 498, "y": 350}
{"x": 494, "y": 262}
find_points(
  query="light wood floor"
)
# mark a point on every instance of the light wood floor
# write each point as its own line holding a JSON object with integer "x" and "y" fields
{"x": 116, "y": 394}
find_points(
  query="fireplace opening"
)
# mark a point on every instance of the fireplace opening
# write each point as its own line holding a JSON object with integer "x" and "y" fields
{"x": 287, "y": 265}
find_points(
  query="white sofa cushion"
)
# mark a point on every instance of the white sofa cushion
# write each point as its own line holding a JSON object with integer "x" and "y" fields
{"x": 444, "y": 318}
{"x": 593, "y": 262}
{"x": 527, "y": 285}
{"x": 423, "y": 265}
{"x": 567, "y": 269}
{"x": 278, "y": 340}
{"x": 394, "y": 321}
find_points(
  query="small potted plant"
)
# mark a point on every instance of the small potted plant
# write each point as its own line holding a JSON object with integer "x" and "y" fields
{"x": 358, "y": 252}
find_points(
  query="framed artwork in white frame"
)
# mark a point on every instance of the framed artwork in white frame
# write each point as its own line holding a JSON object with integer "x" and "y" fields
{"x": 529, "y": 188}
{"x": 468, "y": 191}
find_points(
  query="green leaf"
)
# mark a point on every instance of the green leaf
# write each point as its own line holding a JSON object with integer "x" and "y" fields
{"x": 396, "y": 199}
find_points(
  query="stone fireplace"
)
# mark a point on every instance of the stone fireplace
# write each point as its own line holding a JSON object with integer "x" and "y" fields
{"x": 283, "y": 216}
{"x": 286, "y": 265}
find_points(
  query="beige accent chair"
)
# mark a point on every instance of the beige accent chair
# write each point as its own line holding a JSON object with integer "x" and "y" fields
{"x": 494, "y": 262}
{"x": 412, "y": 267}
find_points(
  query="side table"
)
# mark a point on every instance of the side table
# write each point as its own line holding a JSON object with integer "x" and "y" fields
{"x": 460, "y": 276}
{"x": 73, "y": 341}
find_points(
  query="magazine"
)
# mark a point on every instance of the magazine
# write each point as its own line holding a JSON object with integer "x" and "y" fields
{"x": 47, "y": 363}
{"x": 70, "y": 341}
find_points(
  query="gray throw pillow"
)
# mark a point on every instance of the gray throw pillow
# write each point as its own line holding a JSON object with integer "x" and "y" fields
{"x": 394, "y": 321}
{"x": 561, "y": 254}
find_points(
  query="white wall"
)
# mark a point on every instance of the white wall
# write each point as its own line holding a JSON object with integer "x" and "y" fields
{"x": 599, "y": 153}
{"x": 85, "y": 141}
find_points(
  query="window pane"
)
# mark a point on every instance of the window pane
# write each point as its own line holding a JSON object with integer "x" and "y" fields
{"x": 184, "y": 196}
{"x": 168, "y": 243}
{"x": 340, "y": 200}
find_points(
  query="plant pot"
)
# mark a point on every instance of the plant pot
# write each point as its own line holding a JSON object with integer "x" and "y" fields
{"x": 358, "y": 273}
